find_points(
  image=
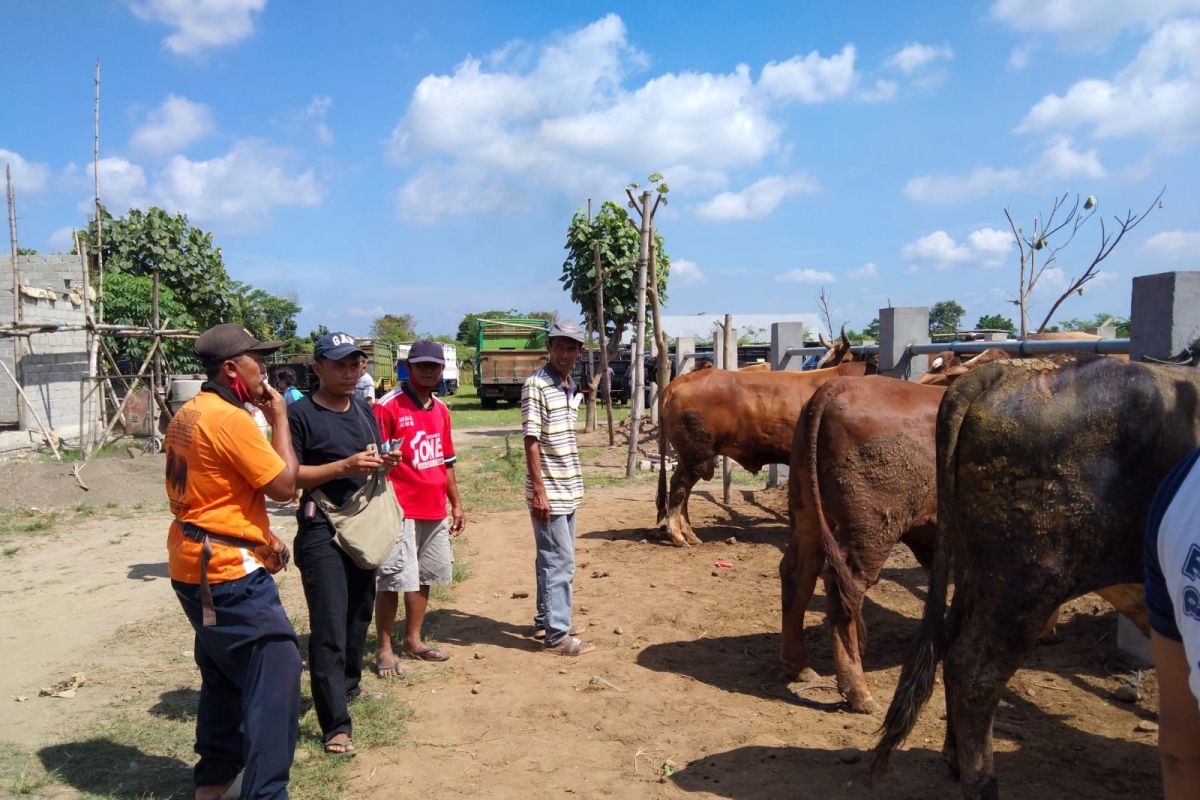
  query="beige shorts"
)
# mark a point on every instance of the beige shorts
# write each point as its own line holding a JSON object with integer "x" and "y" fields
{"x": 422, "y": 556}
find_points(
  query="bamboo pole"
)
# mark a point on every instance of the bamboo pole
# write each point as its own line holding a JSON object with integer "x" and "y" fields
{"x": 93, "y": 358}
{"x": 605, "y": 381}
{"x": 16, "y": 280}
{"x": 639, "y": 364}
{"x": 50, "y": 436}
{"x": 133, "y": 388}
{"x": 156, "y": 372}
{"x": 99, "y": 221}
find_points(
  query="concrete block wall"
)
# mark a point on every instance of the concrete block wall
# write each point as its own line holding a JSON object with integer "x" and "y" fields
{"x": 51, "y": 364}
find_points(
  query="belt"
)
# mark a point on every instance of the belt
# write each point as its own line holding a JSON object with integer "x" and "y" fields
{"x": 208, "y": 613}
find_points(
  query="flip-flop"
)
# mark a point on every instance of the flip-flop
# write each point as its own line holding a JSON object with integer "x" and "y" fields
{"x": 391, "y": 670}
{"x": 342, "y": 749}
{"x": 571, "y": 646}
{"x": 428, "y": 654}
{"x": 540, "y": 633}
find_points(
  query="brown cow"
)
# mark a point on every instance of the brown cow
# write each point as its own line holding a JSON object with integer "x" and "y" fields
{"x": 1045, "y": 475}
{"x": 945, "y": 367}
{"x": 747, "y": 416}
{"x": 861, "y": 479}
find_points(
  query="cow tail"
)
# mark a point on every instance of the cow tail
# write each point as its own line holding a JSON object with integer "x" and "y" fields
{"x": 842, "y": 588}
{"x": 920, "y": 668}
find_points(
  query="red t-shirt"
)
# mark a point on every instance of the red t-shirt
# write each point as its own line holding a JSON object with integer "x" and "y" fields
{"x": 420, "y": 479}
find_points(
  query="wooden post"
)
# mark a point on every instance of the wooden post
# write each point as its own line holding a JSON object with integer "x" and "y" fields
{"x": 156, "y": 375}
{"x": 36, "y": 417}
{"x": 637, "y": 401}
{"x": 93, "y": 350}
{"x": 16, "y": 279}
{"x": 99, "y": 225}
{"x": 605, "y": 383}
{"x": 729, "y": 361}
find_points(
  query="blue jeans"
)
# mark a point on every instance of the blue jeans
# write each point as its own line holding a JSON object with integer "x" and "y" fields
{"x": 555, "y": 568}
{"x": 249, "y": 663}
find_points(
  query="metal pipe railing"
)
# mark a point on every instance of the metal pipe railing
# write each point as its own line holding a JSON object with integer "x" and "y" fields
{"x": 1021, "y": 348}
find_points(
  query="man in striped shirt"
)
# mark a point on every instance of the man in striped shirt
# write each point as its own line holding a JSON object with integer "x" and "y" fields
{"x": 554, "y": 486}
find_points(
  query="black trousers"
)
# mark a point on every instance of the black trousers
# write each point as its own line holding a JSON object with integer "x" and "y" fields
{"x": 249, "y": 662}
{"x": 341, "y": 601}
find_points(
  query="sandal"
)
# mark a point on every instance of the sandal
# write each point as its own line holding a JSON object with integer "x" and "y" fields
{"x": 540, "y": 633}
{"x": 340, "y": 747}
{"x": 571, "y": 646}
{"x": 428, "y": 654}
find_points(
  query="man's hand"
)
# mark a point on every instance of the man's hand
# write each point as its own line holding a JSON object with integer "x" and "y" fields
{"x": 274, "y": 554}
{"x": 458, "y": 520}
{"x": 539, "y": 506}
{"x": 273, "y": 406}
{"x": 392, "y": 459}
{"x": 361, "y": 465}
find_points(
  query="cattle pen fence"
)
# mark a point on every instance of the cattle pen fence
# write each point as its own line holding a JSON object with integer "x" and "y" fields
{"x": 1021, "y": 348}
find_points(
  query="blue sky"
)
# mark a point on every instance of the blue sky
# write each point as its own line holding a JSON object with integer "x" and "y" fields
{"x": 427, "y": 158}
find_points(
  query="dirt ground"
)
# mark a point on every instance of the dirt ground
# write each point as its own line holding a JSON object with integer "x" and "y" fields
{"x": 684, "y": 696}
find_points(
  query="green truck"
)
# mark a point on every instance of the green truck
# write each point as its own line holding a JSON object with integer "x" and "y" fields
{"x": 508, "y": 351}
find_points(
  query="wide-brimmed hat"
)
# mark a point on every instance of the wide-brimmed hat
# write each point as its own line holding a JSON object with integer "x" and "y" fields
{"x": 229, "y": 340}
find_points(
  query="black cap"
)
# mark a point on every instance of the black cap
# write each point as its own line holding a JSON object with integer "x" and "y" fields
{"x": 336, "y": 346}
{"x": 229, "y": 340}
{"x": 425, "y": 351}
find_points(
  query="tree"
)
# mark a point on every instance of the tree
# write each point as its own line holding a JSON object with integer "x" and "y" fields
{"x": 468, "y": 329}
{"x": 26, "y": 251}
{"x": 129, "y": 302}
{"x": 267, "y": 316}
{"x": 872, "y": 330}
{"x": 1039, "y": 244}
{"x": 945, "y": 317}
{"x": 1091, "y": 325}
{"x": 619, "y": 243}
{"x": 393, "y": 328}
{"x": 996, "y": 322}
{"x": 316, "y": 333}
{"x": 187, "y": 262}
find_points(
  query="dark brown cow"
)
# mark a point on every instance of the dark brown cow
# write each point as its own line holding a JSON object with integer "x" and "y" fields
{"x": 1045, "y": 475}
{"x": 747, "y": 416}
{"x": 861, "y": 479}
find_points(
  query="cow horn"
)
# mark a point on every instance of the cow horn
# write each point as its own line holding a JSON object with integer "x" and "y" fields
{"x": 824, "y": 342}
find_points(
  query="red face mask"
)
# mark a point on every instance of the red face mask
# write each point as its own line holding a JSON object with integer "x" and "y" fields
{"x": 241, "y": 389}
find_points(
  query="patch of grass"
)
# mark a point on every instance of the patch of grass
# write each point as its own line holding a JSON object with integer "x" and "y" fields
{"x": 492, "y": 478}
{"x": 71, "y": 455}
{"x": 459, "y": 572}
{"x": 34, "y": 519}
{"x": 467, "y": 412}
{"x": 10, "y": 551}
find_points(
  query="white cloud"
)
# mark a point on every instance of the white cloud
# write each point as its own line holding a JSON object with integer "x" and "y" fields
{"x": 173, "y": 126}
{"x": 62, "y": 240}
{"x": 567, "y": 117}
{"x": 200, "y": 24}
{"x": 937, "y": 250}
{"x": 914, "y": 57}
{"x": 686, "y": 273}
{"x": 28, "y": 176}
{"x": 882, "y": 91}
{"x": 757, "y": 200}
{"x": 1175, "y": 245}
{"x": 122, "y": 186}
{"x": 239, "y": 189}
{"x": 810, "y": 78}
{"x": 316, "y": 111}
{"x": 1060, "y": 159}
{"x": 1018, "y": 59}
{"x": 1157, "y": 95}
{"x": 866, "y": 271}
{"x": 1086, "y": 22}
{"x": 375, "y": 311}
{"x": 807, "y": 276}
{"x": 433, "y": 194}
{"x": 953, "y": 188}
{"x": 984, "y": 246}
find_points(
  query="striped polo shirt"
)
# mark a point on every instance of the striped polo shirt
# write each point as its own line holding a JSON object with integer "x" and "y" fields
{"x": 549, "y": 412}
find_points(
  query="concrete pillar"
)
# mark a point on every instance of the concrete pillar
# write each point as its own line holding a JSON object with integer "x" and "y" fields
{"x": 684, "y": 346}
{"x": 784, "y": 336}
{"x": 718, "y": 347}
{"x": 728, "y": 361}
{"x": 898, "y": 328}
{"x": 1165, "y": 315}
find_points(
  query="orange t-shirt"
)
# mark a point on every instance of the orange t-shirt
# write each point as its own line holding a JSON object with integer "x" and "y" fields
{"x": 217, "y": 465}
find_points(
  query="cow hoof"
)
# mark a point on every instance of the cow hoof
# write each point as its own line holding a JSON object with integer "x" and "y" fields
{"x": 808, "y": 675}
{"x": 861, "y": 702}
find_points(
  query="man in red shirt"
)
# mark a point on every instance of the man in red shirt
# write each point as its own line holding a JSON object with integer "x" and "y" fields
{"x": 418, "y": 424}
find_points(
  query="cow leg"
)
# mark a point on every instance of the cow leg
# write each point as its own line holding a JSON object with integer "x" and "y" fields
{"x": 993, "y": 641}
{"x": 798, "y": 571}
{"x": 689, "y": 533}
{"x": 681, "y": 487}
{"x": 847, "y": 649}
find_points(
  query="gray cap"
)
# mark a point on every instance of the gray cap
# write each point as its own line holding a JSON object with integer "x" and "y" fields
{"x": 565, "y": 329}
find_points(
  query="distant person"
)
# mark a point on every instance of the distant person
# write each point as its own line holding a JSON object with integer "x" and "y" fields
{"x": 365, "y": 387}
{"x": 337, "y": 444}
{"x": 1173, "y": 599}
{"x": 554, "y": 486}
{"x": 285, "y": 379}
{"x": 418, "y": 425}
{"x": 219, "y": 472}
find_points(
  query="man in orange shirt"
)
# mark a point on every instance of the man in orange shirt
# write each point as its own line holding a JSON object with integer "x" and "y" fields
{"x": 220, "y": 546}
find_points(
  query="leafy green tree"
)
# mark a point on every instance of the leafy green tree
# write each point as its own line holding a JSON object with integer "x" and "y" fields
{"x": 945, "y": 316}
{"x": 315, "y": 334}
{"x": 129, "y": 302}
{"x": 872, "y": 330}
{"x": 1091, "y": 324}
{"x": 996, "y": 322}
{"x": 393, "y": 328}
{"x": 620, "y": 244}
{"x": 267, "y": 316}
{"x": 187, "y": 262}
{"x": 26, "y": 251}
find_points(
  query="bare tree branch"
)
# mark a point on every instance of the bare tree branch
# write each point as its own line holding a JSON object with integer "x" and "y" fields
{"x": 823, "y": 302}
